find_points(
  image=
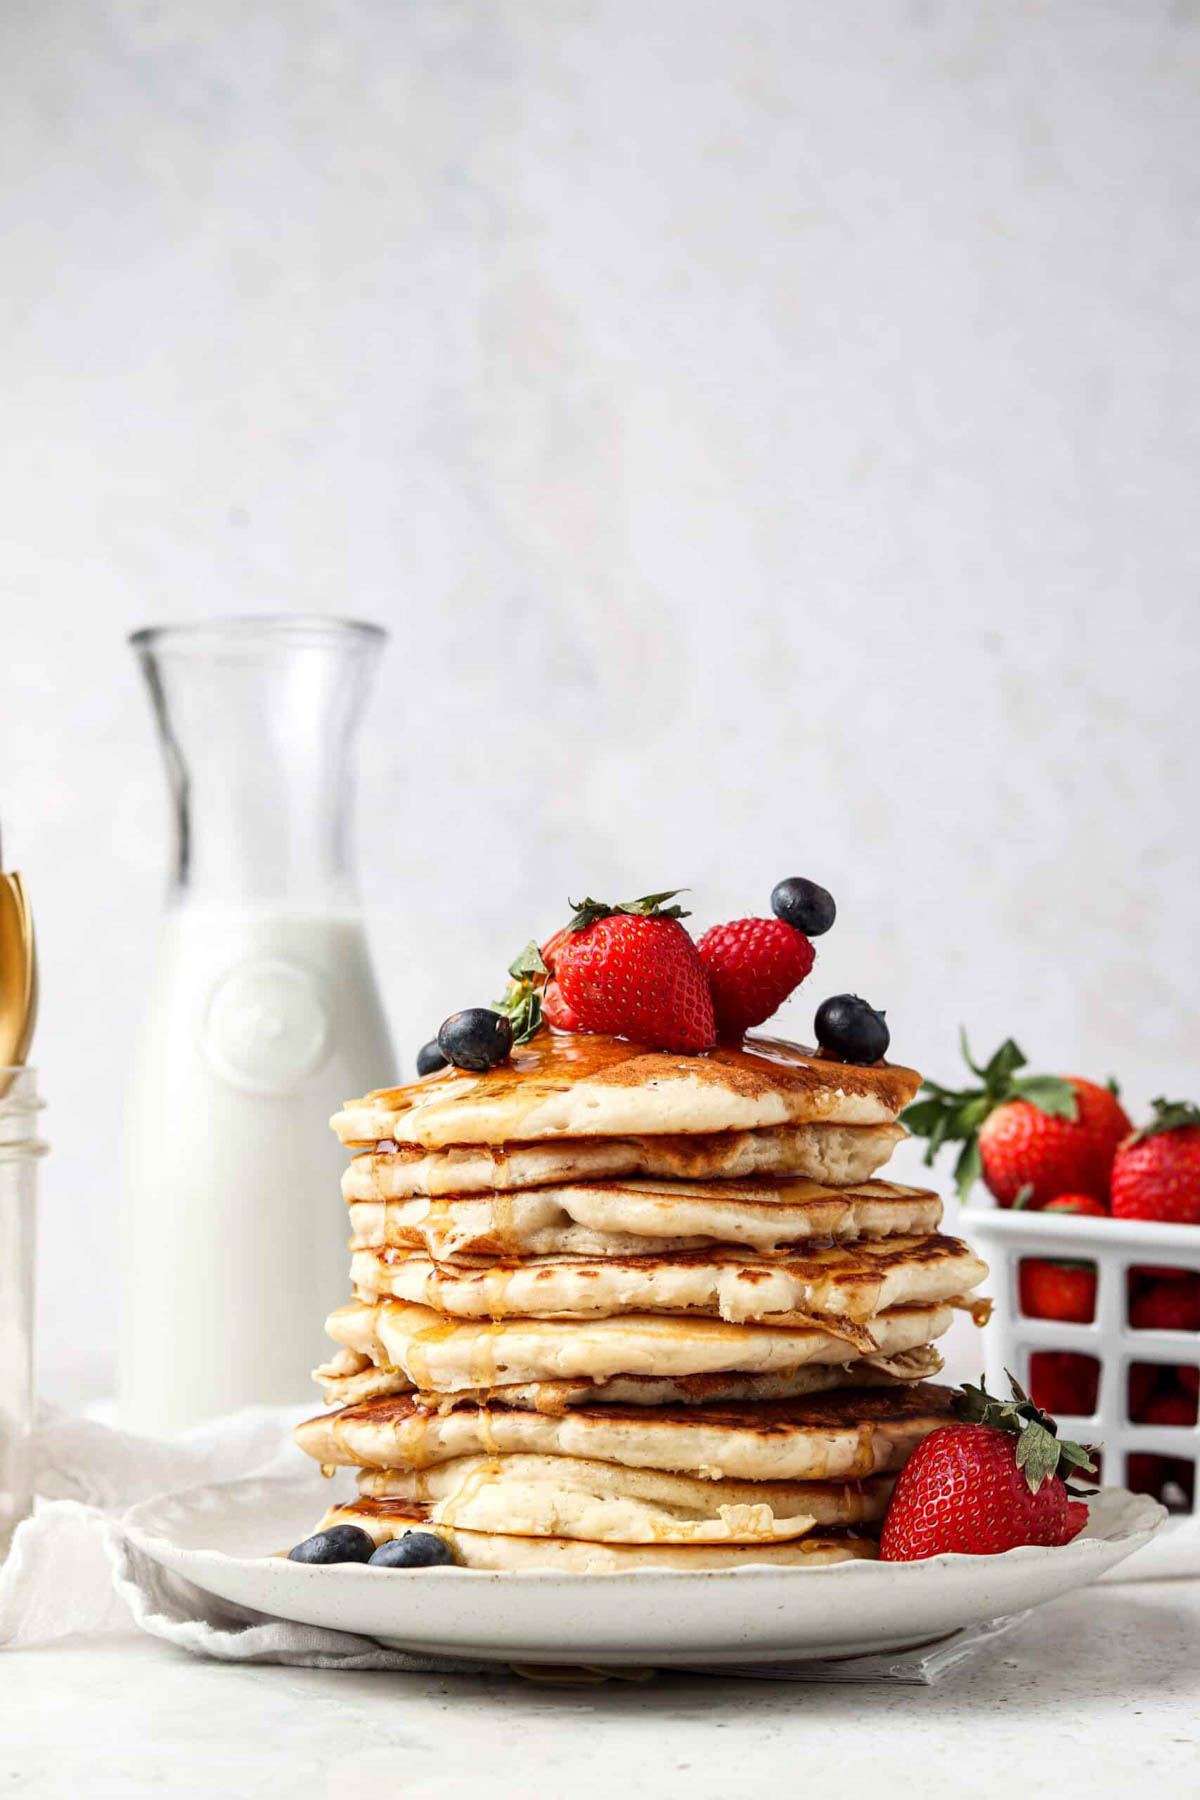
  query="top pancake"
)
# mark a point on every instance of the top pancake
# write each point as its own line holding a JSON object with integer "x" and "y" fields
{"x": 582, "y": 1086}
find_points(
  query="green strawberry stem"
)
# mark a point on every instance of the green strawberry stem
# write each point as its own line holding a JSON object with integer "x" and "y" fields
{"x": 1169, "y": 1115}
{"x": 650, "y": 906}
{"x": 521, "y": 1005}
{"x": 955, "y": 1116}
{"x": 1041, "y": 1453}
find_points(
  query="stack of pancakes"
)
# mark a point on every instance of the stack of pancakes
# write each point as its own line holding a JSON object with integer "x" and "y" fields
{"x": 617, "y": 1308}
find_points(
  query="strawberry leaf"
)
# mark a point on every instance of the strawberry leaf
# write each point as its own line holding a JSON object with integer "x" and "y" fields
{"x": 653, "y": 903}
{"x": 1037, "y": 1455}
{"x": 1052, "y": 1096}
{"x": 529, "y": 962}
{"x": 924, "y": 1117}
{"x": 1040, "y": 1452}
{"x": 1169, "y": 1115}
{"x": 521, "y": 1004}
{"x": 1003, "y": 1065}
{"x": 968, "y": 1168}
{"x": 945, "y": 1115}
{"x": 650, "y": 906}
{"x": 1073, "y": 1456}
{"x": 522, "y": 1007}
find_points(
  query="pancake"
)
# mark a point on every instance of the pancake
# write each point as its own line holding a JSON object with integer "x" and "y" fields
{"x": 568, "y": 1085}
{"x": 384, "y": 1519}
{"x": 843, "y": 1436}
{"x": 604, "y": 1503}
{"x": 620, "y": 1218}
{"x": 839, "y": 1154}
{"x": 840, "y": 1289}
{"x": 348, "y": 1378}
{"x": 570, "y": 1496}
{"x": 447, "y": 1356}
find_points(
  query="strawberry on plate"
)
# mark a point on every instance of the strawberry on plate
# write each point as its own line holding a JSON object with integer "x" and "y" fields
{"x": 753, "y": 965}
{"x": 632, "y": 971}
{"x": 1156, "y": 1174}
{"x": 1049, "y": 1133}
{"x": 987, "y": 1485}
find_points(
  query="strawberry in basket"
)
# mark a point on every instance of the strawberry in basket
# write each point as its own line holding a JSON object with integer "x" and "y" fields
{"x": 1156, "y": 1174}
{"x": 1051, "y": 1134}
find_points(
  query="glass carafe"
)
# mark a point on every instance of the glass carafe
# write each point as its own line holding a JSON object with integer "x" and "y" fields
{"x": 20, "y": 1149}
{"x": 263, "y": 1017}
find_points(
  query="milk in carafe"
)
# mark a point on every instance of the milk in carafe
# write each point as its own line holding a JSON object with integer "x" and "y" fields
{"x": 263, "y": 1017}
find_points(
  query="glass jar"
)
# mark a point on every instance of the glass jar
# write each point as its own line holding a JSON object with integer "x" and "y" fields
{"x": 20, "y": 1149}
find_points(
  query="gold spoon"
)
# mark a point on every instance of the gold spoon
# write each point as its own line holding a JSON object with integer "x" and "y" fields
{"x": 18, "y": 971}
{"x": 31, "y": 969}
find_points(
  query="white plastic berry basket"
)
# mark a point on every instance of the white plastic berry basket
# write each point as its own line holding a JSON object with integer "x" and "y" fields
{"x": 1115, "y": 1246}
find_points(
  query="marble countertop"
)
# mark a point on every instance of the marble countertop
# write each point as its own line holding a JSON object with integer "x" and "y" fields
{"x": 1093, "y": 1694}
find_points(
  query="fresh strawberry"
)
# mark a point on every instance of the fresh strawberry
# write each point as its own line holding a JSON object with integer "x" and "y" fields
{"x": 552, "y": 946}
{"x": 1057, "y": 1290}
{"x": 1064, "y": 1381}
{"x": 984, "y": 1486}
{"x": 753, "y": 965}
{"x": 1077, "y": 1518}
{"x": 1166, "y": 1303}
{"x": 1042, "y": 1132}
{"x": 1156, "y": 1174}
{"x": 1143, "y": 1384}
{"x": 1074, "y": 1203}
{"x": 1170, "y": 1406}
{"x": 632, "y": 971}
{"x": 1145, "y": 1472}
{"x": 1170, "y": 1479}
{"x": 555, "y": 1010}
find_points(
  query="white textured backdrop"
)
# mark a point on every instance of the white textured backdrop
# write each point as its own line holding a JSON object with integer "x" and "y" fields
{"x": 768, "y": 430}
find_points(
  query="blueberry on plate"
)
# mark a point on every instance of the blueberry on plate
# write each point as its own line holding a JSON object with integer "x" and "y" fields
{"x": 851, "y": 1029}
{"x": 415, "y": 1550}
{"x": 475, "y": 1039}
{"x": 430, "y": 1057}
{"x": 339, "y": 1544}
{"x": 811, "y": 909}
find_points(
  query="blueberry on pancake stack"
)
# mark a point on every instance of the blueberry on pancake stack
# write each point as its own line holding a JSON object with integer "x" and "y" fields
{"x": 627, "y": 1288}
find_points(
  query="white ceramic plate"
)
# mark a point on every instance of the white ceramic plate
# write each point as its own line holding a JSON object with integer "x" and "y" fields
{"x": 227, "y": 1540}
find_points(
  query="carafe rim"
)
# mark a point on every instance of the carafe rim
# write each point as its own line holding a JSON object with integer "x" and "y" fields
{"x": 250, "y": 631}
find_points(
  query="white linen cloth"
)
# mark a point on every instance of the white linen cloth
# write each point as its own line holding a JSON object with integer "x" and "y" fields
{"x": 71, "y": 1569}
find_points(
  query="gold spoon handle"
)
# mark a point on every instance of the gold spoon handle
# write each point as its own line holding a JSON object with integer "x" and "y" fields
{"x": 17, "y": 974}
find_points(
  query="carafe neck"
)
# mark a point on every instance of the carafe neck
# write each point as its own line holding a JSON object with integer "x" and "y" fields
{"x": 257, "y": 719}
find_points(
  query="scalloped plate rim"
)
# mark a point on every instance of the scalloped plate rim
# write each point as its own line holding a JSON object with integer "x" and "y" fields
{"x": 1141, "y": 1506}
{"x": 752, "y": 1613}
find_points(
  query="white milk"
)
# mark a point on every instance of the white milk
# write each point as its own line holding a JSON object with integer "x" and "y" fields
{"x": 261, "y": 1024}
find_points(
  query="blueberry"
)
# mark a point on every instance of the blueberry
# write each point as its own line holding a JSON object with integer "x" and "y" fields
{"x": 415, "y": 1550}
{"x": 476, "y": 1039}
{"x": 849, "y": 1028}
{"x": 341, "y": 1543}
{"x": 802, "y": 903}
{"x": 430, "y": 1057}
